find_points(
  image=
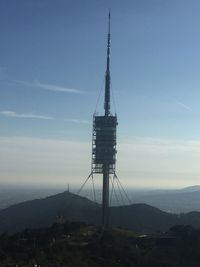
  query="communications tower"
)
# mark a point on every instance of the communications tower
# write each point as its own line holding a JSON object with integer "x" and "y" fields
{"x": 104, "y": 140}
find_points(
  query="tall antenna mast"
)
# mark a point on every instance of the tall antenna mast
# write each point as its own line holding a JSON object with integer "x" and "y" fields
{"x": 104, "y": 141}
{"x": 107, "y": 75}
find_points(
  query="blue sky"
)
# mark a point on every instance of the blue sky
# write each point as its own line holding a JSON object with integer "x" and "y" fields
{"x": 52, "y": 70}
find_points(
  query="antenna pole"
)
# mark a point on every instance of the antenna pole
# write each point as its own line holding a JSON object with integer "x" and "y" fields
{"x": 107, "y": 75}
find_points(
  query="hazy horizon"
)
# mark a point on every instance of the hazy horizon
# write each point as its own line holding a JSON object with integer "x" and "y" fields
{"x": 75, "y": 188}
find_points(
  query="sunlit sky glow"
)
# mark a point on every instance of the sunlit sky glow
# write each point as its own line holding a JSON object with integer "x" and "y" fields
{"x": 51, "y": 72}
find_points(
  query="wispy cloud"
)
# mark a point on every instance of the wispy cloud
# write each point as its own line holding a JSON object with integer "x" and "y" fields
{"x": 50, "y": 87}
{"x": 13, "y": 114}
{"x": 183, "y": 105}
{"x": 77, "y": 121}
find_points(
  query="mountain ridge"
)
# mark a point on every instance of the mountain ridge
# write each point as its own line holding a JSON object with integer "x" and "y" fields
{"x": 44, "y": 212}
{"x": 174, "y": 201}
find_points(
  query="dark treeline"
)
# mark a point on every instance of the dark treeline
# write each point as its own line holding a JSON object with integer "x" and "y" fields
{"x": 77, "y": 244}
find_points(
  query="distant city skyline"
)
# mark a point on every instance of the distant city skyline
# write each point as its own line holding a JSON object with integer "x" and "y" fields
{"x": 53, "y": 56}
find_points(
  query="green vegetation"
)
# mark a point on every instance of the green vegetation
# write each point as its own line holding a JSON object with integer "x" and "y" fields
{"x": 78, "y": 244}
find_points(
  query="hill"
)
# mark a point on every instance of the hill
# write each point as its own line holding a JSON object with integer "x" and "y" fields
{"x": 174, "y": 201}
{"x": 67, "y": 206}
{"x": 44, "y": 212}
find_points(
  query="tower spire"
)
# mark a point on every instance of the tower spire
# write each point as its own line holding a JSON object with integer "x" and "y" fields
{"x": 107, "y": 75}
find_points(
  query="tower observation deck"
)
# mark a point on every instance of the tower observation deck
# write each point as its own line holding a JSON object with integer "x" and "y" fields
{"x": 104, "y": 140}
